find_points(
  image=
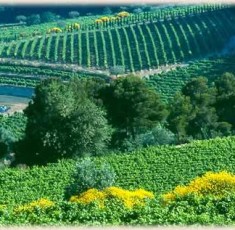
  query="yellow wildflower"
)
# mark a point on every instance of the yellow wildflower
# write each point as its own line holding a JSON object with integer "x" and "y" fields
{"x": 216, "y": 184}
{"x": 105, "y": 19}
{"x": 128, "y": 198}
{"x": 98, "y": 21}
{"x": 42, "y": 203}
{"x": 123, "y": 14}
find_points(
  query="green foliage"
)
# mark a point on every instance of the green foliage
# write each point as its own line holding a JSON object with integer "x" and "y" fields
{"x": 112, "y": 45}
{"x": 156, "y": 169}
{"x": 132, "y": 107}
{"x": 205, "y": 211}
{"x": 193, "y": 112}
{"x": 33, "y": 19}
{"x": 167, "y": 83}
{"x": 14, "y": 124}
{"x": 225, "y": 103}
{"x": 90, "y": 175}
{"x": 159, "y": 135}
{"x": 62, "y": 122}
{"x": 116, "y": 70}
{"x": 6, "y": 141}
{"x": 48, "y": 17}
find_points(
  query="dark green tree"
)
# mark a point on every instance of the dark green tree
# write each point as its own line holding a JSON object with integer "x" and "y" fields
{"x": 193, "y": 112}
{"x": 132, "y": 106}
{"x": 62, "y": 124}
{"x": 225, "y": 101}
{"x": 180, "y": 115}
{"x": 33, "y": 19}
{"x": 48, "y": 17}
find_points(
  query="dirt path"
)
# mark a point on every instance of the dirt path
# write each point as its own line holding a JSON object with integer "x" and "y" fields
{"x": 16, "y": 104}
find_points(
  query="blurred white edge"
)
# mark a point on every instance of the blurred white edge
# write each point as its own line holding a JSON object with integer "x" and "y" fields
{"x": 110, "y": 2}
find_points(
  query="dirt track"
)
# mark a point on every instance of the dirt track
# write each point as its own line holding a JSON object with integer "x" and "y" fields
{"x": 17, "y": 104}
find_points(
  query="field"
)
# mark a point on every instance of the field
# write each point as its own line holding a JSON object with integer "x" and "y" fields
{"x": 167, "y": 83}
{"x": 156, "y": 169}
{"x": 144, "y": 45}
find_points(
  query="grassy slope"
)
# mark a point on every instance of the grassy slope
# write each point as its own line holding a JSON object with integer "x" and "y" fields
{"x": 157, "y": 169}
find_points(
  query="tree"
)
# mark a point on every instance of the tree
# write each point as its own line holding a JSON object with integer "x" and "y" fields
{"x": 62, "y": 124}
{"x": 107, "y": 11}
{"x": 33, "y": 19}
{"x": 193, "y": 112}
{"x": 132, "y": 106}
{"x": 74, "y": 14}
{"x": 225, "y": 101}
{"x": 180, "y": 115}
{"x": 21, "y": 18}
{"x": 48, "y": 17}
{"x": 6, "y": 141}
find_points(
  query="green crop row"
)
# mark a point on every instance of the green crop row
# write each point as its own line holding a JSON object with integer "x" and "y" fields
{"x": 139, "y": 46}
{"x": 156, "y": 169}
{"x": 170, "y": 82}
{"x": 14, "y": 124}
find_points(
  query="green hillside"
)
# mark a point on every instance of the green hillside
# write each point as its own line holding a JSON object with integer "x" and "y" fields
{"x": 168, "y": 83}
{"x": 136, "y": 46}
{"x": 157, "y": 169}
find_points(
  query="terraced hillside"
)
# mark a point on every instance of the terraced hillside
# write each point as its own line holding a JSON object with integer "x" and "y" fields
{"x": 136, "y": 46}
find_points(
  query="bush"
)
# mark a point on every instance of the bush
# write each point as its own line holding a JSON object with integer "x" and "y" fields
{"x": 218, "y": 184}
{"x": 88, "y": 175}
{"x": 128, "y": 198}
{"x": 157, "y": 136}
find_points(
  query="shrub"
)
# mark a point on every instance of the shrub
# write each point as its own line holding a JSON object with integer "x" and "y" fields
{"x": 42, "y": 204}
{"x": 88, "y": 175}
{"x": 213, "y": 184}
{"x": 128, "y": 198}
{"x": 157, "y": 136}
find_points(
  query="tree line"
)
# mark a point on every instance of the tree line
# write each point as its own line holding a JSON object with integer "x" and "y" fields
{"x": 90, "y": 117}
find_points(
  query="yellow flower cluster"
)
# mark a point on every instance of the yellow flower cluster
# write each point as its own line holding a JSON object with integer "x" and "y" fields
{"x": 128, "y": 198}
{"x": 216, "y": 184}
{"x": 42, "y": 203}
{"x": 54, "y": 30}
{"x": 122, "y": 14}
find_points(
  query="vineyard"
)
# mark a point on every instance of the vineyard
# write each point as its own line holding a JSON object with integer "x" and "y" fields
{"x": 14, "y": 124}
{"x": 134, "y": 45}
{"x": 157, "y": 169}
{"x": 168, "y": 83}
